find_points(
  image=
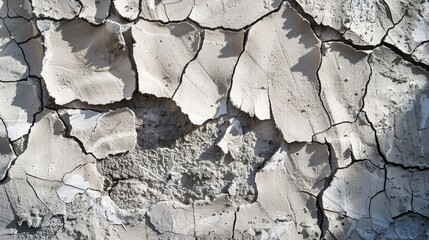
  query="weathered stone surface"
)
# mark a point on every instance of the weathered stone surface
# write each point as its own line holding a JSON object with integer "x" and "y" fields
{"x": 283, "y": 75}
{"x": 231, "y": 14}
{"x": 396, "y": 103}
{"x": 203, "y": 91}
{"x": 19, "y": 102}
{"x": 344, "y": 74}
{"x": 80, "y": 57}
{"x": 102, "y": 134}
{"x": 161, "y": 53}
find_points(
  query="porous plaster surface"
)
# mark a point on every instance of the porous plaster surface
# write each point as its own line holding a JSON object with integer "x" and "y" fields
{"x": 220, "y": 119}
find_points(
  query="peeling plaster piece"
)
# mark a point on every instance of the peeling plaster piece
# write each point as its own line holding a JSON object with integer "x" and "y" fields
{"x": 56, "y": 9}
{"x": 20, "y": 29}
{"x": 232, "y": 14}
{"x": 413, "y": 29}
{"x": 206, "y": 81}
{"x": 6, "y": 151}
{"x": 282, "y": 74}
{"x": 128, "y": 9}
{"x": 421, "y": 53}
{"x": 396, "y": 105}
{"x": 102, "y": 133}
{"x": 288, "y": 184}
{"x": 364, "y": 23}
{"x": 351, "y": 141}
{"x": 344, "y": 73}
{"x": 13, "y": 65}
{"x": 172, "y": 217}
{"x": 228, "y": 142}
{"x": 352, "y": 189}
{"x": 87, "y": 63}
{"x": 161, "y": 53}
{"x": 60, "y": 156}
{"x": 166, "y": 10}
{"x": 33, "y": 50}
{"x": 19, "y": 102}
{"x": 94, "y": 12}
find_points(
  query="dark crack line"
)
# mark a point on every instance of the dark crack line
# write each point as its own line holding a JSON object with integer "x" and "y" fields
{"x": 200, "y": 47}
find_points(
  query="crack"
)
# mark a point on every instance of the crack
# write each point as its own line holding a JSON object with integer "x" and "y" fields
{"x": 321, "y": 217}
{"x": 245, "y": 39}
{"x": 200, "y": 47}
{"x": 321, "y": 51}
{"x": 235, "y": 222}
{"x": 67, "y": 134}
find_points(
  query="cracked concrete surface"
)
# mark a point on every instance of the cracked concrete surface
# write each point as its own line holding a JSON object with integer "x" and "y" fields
{"x": 191, "y": 119}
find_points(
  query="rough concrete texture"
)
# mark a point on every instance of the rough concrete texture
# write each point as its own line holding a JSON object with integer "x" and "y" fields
{"x": 232, "y": 119}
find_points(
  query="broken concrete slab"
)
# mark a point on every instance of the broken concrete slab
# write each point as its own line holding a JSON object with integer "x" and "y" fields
{"x": 231, "y": 14}
{"x": 283, "y": 75}
{"x": 344, "y": 74}
{"x": 167, "y": 10}
{"x": 396, "y": 105}
{"x": 161, "y": 53}
{"x": 102, "y": 134}
{"x": 19, "y": 102}
{"x": 96, "y": 58}
{"x": 202, "y": 94}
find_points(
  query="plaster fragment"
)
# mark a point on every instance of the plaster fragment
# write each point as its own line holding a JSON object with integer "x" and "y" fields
{"x": 364, "y": 23}
{"x": 352, "y": 141}
{"x": 7, "y": 154}
{"x": 94, "y": 12}
{"x": 282, "y": 75}
{"x": 396, "y": 107}
{"x": 19, "y": 102}
{"x": 203, "y": 91}
{"x": 344, "y": 73}
{"x": 421, "y": 53}
{"x": 172, "y": 217}
{"x": 352, "y": 188}
{"x": 55, "y": 9}
{"x": 413, "y": 29}
{"x": 105, "y": 133}
{"x": 13, "y": 65}
{"x": 166, "y": 10}
{"x": 161, "y": 53}
{"x": 128, "y": 9}
{"x": 87, "y": 63}
{"x": 231, "y": 14}
{"x": 288, "y": 183}
{"x": 214, "y": 218}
